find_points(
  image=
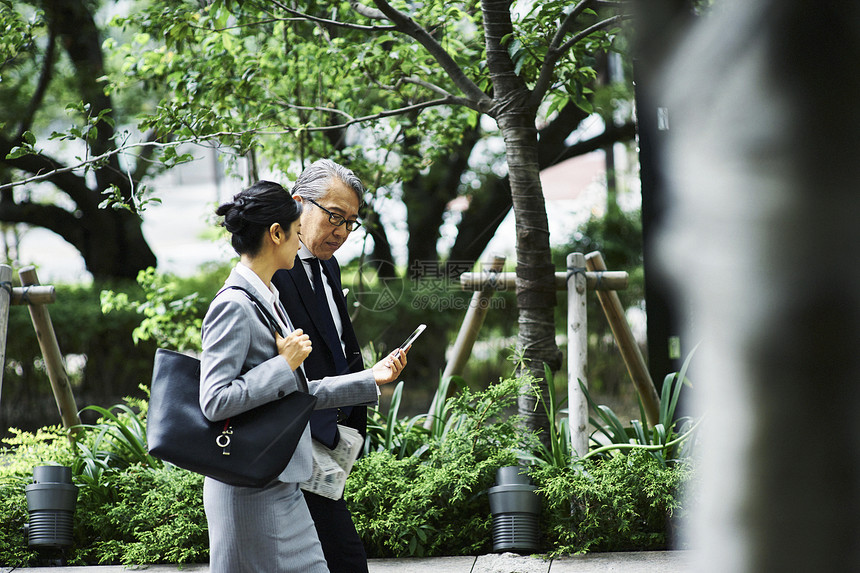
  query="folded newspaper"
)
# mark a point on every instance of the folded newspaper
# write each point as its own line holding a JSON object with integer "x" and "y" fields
{"x": 331, "y": 467}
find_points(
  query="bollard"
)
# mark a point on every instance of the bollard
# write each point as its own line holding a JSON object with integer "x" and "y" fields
{"x": 515, "y": 507}
{"x": 51, "y": 502}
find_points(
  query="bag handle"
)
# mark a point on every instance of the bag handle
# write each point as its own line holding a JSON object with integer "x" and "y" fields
{"x": 223, "y": 440}
{"x": 273, "y": 324}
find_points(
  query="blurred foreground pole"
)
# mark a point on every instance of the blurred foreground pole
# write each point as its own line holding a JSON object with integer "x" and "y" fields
{"x": 658, "y": 25}
{"x": 763, "y": 169}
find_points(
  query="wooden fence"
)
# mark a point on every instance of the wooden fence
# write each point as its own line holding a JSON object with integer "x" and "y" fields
{"x": 37, "y": 297}
{"x": 584, "y": 273}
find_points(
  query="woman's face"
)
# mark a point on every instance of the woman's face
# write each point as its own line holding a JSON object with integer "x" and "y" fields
{"x": 291, "y": 245}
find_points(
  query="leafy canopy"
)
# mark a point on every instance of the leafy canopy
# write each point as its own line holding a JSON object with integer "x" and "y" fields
{"x": 323, "y": 79}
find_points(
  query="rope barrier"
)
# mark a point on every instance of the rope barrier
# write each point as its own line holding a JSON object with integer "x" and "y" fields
{"x": 25, "y": 294}
{"x": 575, "y": 271}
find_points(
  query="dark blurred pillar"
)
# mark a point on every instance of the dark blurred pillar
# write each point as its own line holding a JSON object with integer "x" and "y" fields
{"x": 658, "y": 25}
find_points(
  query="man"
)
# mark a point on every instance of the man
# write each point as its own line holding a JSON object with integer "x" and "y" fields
{"x": 331, "y": 196}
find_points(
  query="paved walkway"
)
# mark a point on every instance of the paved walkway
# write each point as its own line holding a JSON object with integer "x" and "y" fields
{"x": 634, "y": 562}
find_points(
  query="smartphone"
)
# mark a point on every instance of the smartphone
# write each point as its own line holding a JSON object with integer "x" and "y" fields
{"x": 415, "y": 334}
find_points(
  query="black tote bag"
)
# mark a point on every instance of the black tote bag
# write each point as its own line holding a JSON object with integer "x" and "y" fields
{"x": 248, "y": 450}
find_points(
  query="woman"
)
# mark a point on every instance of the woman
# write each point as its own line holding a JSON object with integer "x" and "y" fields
{"x": 243, "y": 365}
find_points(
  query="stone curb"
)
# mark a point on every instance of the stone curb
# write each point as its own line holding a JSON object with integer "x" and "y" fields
{"x": 633, "y": 562}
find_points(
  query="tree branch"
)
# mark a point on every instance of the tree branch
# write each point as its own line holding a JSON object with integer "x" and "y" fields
{"x": 565, "y": 27}
{"x": 199, "y": 139}
{"x": 329, "y": 22}
{"x": 49, "y": 169}
{"x": 144, "y": 158}
{"x": 425, "y": 84}
{"x": 475, "y": 98}
{"x": 49, "y": 216}
{"x": 448, "y": 100}
{"x": 612, "y": 134}
{"x": 42, "y": 86}
{"x": 591, "y": 29}
{"x": 557, "y": 49}
{"x": 367, "y": 11}
{"x": 55, "y": 173}
{"x": 403, "y": 23}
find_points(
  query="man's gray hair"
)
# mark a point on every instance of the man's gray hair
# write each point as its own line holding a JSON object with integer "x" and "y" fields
{"x": 313, "y": 182}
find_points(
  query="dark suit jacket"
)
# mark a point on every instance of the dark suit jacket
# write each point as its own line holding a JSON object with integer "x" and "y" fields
{"x": 297, "y": 297}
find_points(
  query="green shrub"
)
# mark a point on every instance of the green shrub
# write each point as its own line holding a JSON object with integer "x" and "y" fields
{"x": 620, "y": 495}
{"x": 620, "y": 503}
{"x": 108, "y": 354}
{"x": 102, "y": 361}
{"x": 169, "y": 317}
{"x": 404, "y": 437}
{"x": 437, "y": 504}
{"x": 405, "y": 500}
{"x": 157, "y": 517}
{"x": 13, "y": 517}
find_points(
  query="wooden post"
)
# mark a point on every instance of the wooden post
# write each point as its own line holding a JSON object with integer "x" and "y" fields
{"x": 473, "y": 320}
{"x": 51, "y": 353}
{"x": 5, "y": 301}
{"x": 472, "y": 323}
{"x": 627, "y": 344}
{"x": 607, "y": 280}
{"x": 34, "y": 295}
{"x": 577, "y": 353}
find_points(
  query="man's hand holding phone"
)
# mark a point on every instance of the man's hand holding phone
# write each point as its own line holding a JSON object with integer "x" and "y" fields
{"x": 387, "y": 369}
{"x": 411, "y": 338}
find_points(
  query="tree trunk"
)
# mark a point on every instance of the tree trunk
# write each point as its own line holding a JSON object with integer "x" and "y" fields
{"x": 535, "y": 273}
{"x": 427, "y": 198}
{"x": 111, "y": 241}
{"x": 536, "y": 295}
{"x": 488, "y": 207}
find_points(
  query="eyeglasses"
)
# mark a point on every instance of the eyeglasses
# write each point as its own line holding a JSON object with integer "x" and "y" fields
{"x": 338, "y": 220}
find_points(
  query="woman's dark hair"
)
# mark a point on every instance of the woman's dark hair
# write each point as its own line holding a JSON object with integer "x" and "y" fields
{"x": 253, "y": 211}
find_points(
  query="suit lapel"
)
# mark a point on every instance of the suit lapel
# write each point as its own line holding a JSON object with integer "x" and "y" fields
{"x": 303, "y": 287}
{"x": 353, "y": 351}
{"x": 306, "y": 294}
{"x": 299, "y": 278}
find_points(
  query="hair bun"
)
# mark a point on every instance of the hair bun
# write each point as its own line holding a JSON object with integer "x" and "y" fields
{"x": 233, "y": 213}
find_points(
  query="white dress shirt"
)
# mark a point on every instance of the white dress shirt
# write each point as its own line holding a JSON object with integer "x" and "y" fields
{"x": 308, "y": 259}
{"x": 269, "y": 296}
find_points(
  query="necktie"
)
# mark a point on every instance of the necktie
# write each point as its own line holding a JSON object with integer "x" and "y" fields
{"x": 327, "y": 326}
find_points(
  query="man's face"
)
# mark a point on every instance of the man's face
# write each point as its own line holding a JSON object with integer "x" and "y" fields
{"x": 318, "y": 234}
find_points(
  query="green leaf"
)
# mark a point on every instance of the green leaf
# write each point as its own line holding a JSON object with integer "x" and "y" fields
{"x": 17, "y": 152}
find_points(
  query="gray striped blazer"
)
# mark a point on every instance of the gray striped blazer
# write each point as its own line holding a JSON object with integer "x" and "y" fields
{"x": 240, "y": 369}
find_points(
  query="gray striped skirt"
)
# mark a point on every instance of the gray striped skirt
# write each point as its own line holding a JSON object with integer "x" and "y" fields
{"x": 260, "y": 530}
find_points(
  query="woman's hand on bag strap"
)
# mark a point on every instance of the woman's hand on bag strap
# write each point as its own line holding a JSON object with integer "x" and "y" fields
{"x": 294, "y": 348}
